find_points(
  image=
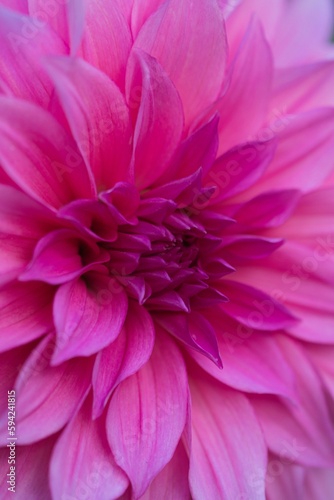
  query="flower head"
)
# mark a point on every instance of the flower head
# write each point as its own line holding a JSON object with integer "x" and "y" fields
{"x": 167, "y": 245}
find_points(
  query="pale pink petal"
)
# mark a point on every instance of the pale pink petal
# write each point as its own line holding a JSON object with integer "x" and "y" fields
{"x": 19, "y": 5}
{"x": 304, "y": 428}
{"x": 26, "y": 313}
{"x": 89, "y": 469}
{"x": 47, "y": 397}
{"x": 147, "y": 415}
{"x": 99, "y": 121}
{"x": 32, "y": 481}
{"x": 304, "y": 20}
{"x": 86, "y": 319}
{"x": 172, "y": 481}
{"x": 106, "y": 39}
{"x": 228, "y": 451}
{"x": 302, "y": 88}
{"x": 23, "y": 45}
{"x": 45, "y": 163}
{"x": 250, "y": 75}
{"x": 157, "y": 109}
{"x": 305, "y": 152}
{"x": 124, "y": 357}
{"x": 196, "y": 68}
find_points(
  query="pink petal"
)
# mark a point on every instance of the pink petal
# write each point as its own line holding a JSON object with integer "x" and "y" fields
{"x": 269, "y": 209}
{"x": 302, "y": 88}
{"x": 305, "y": 141}
{"x": 86, "y": 319}
{"x": 284, "y": 480}
{"x": 89, "y": 469}
{"x": 128, "y": 353}
{"x": 245, "y": 247}
{"x": 31, "y": 482}
{"x": 61, "y": 256}
{"x": 47, "y": 397}
{"x": 172, "y": 481}
{"x": 228, "y": 451}
{"x": 252, "y": 361}
{"x": 199, "y": 150}
{"x": 19, "y": 5}
{"x": 26, "y": 313}
{"x": 239, "y": 168}
{"x": 319, "y": 483}
{"x": 45, "y": 162}
{"x": 66, "y": 18}
{"x": 251, "y": 74}
{"x": 141, "y": 12}
{"x": 147, "y": 415}
{"x": 10, "y": 364}
{"x": 304, "y": 20}
{"x": 159, "y": 117}
{"x": 106, "y": 32}
{"x": 305, "y": 429}
{"x": 196, "y": 69}
{"x": 24, "y": 42}
{"x": 255, "y": 309}
{"x": 99, "y": 122}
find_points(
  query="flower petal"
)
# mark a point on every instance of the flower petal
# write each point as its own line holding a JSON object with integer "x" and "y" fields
{"x": 239, "y": 168}
{"x": 172, "y": 480}
{"x": 99, "y": 122}
{"x": 90, "y": 468}
{"x": 24, "y": 42}
{"x": 33, "y": 482}
{"x": 228, "y": 448}
{"x": 61, "y": 256}
{"x": 106, "y": 32}
{"x": 26, "y": 313}
{"x": 307, "y": 426}
{"x": 251, "y": 75}
{"x": 157, "y": 109}
{"x": 147, "y": 415}
{"x": 197, "y": 70}
{"x": 47, "y": 397}
{"x": 88, "y": 315}
{"x": 45, "y": 162}
{"x": 255, "y": 309}
{"x": 128, "y": 353}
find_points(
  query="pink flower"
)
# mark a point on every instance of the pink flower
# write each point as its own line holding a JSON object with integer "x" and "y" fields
{"x": 167, "y": 209}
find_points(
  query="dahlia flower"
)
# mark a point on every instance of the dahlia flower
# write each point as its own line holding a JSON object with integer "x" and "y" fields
{"x": 166, "y": 221}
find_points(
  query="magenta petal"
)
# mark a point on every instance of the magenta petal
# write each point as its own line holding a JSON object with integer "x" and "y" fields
{"x": 61, "y": 256}
{"x": 33, "y": 480}
{"x": 228, "y": 448}
{"x": 251, "y": 75}
{"x": 253, "y": 362}
{"x": 47, "y": 397}
{"x": 90, "y": 466}
{"x": 239, "y": 168}
{"x": 99, "y": 121}
{"x": 196, "y": 69}
{"x": 23, "y": 45}
{"x": 25, "y": 313}
{"x": 269, "y": 209}
{"x": 45, "y": 162}
{"x": 124, "y": 357}
{"x": 147, "y": 415}
{"x": 159, "y": 117}
{"x": 255, "y": 309}
{"x": 88, "y": 315}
